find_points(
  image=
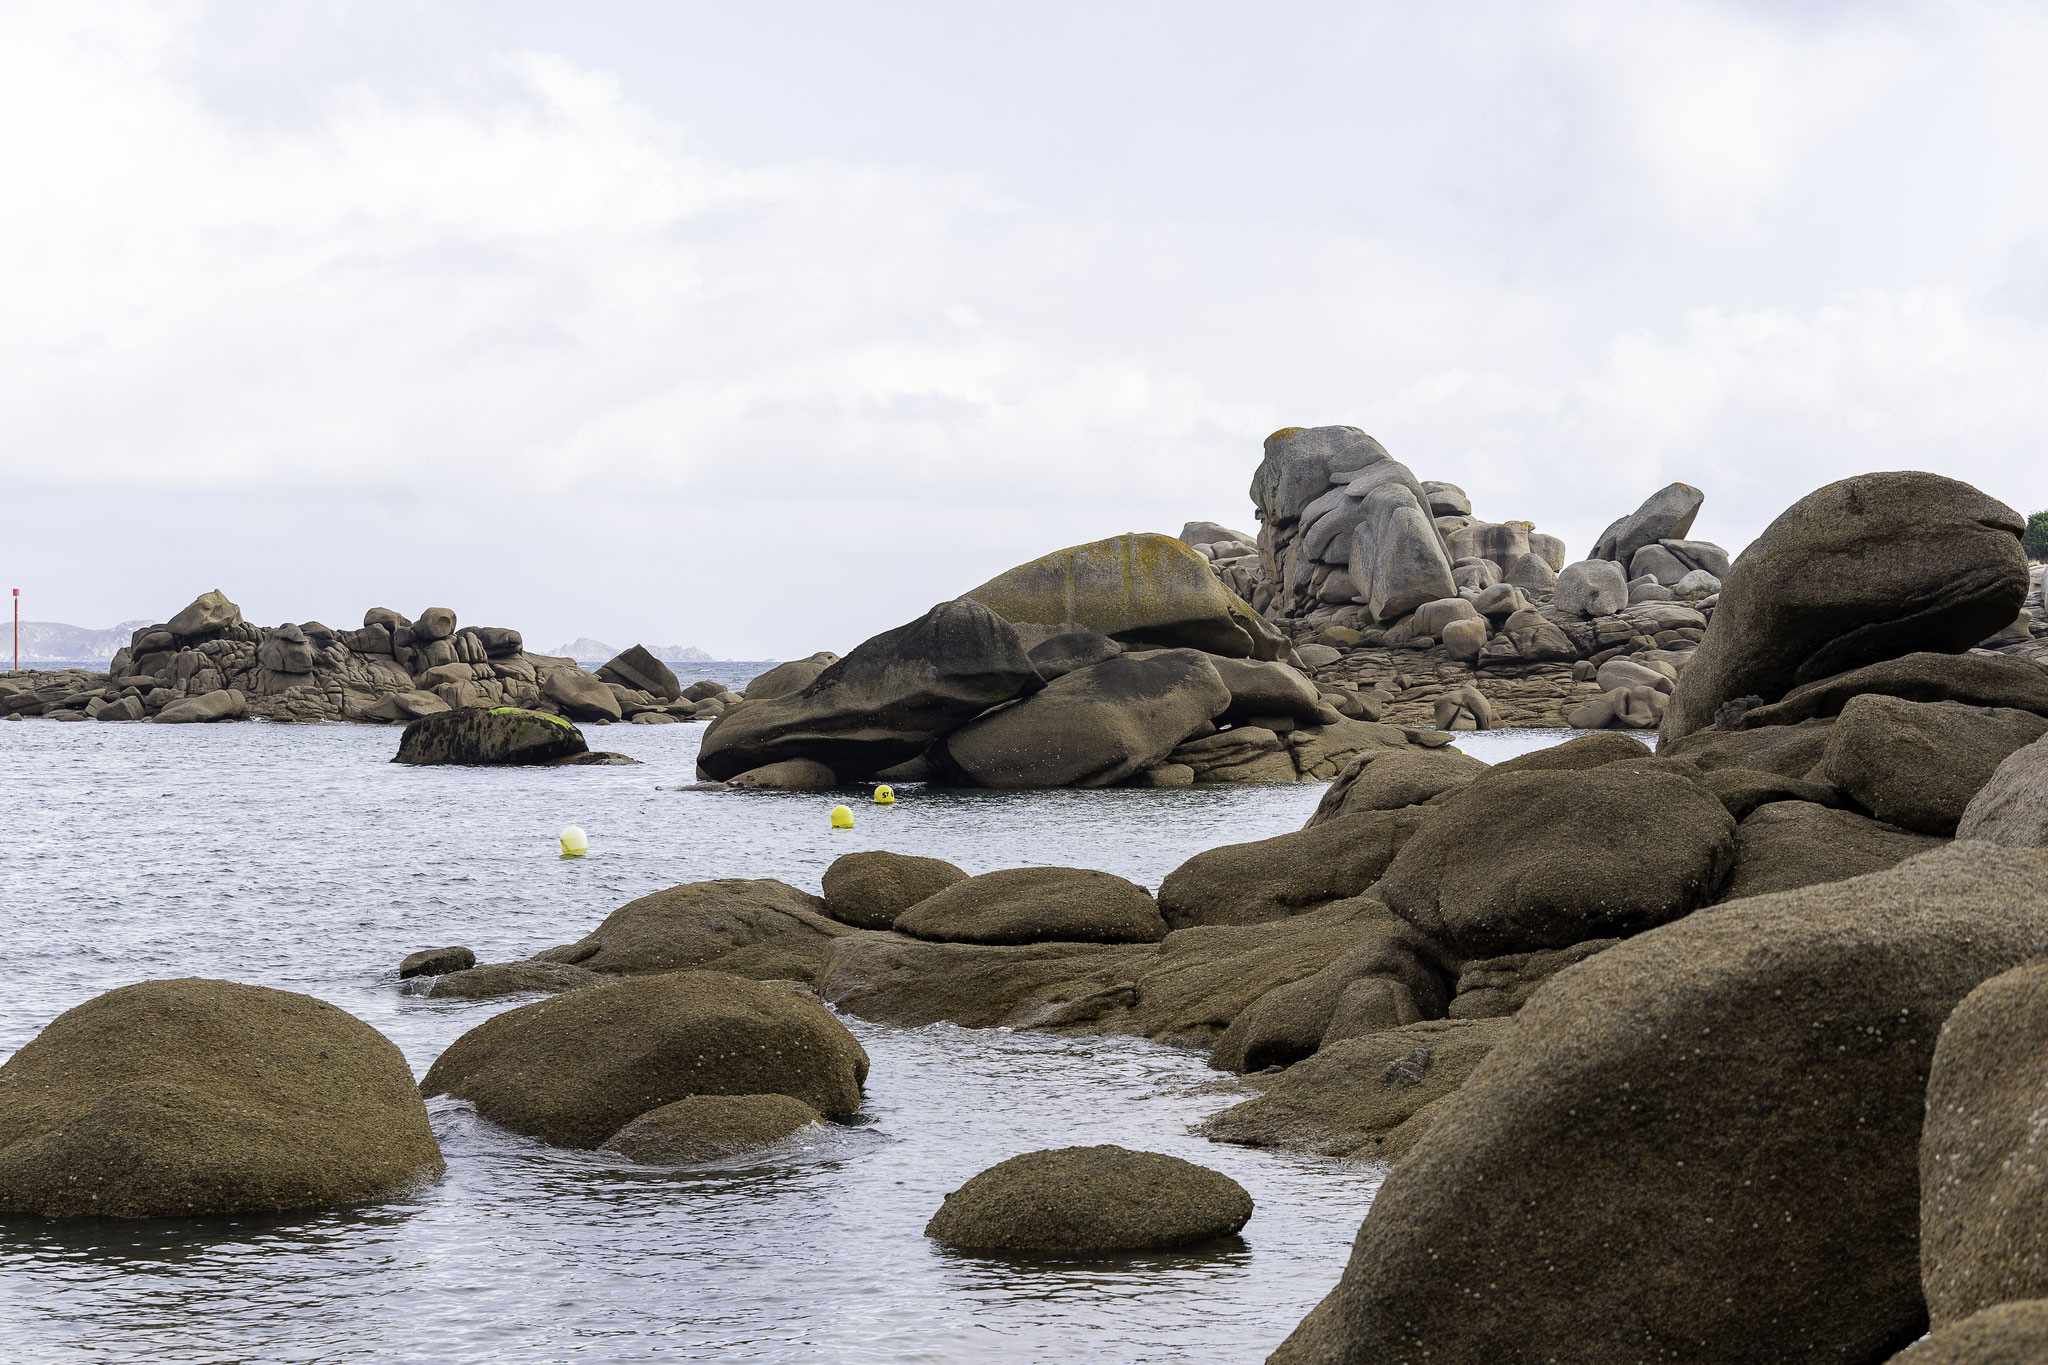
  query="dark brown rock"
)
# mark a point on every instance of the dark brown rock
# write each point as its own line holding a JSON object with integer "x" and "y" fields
{"x": 1972, "y": 679}
{"x": 1408, "y": 975}
{"x": 1789, "y": 844}
{"x": 1390, "y": 779}
{"x": 1917, "y": 764}
{"x": 2009, "y": 1334}
{"x": 1082, "y": 1200}
{"x": 704, "y": 924}
{"x": 641, "y": 671}
{"x": 1037, "y": 905}
{"x": 479, "y": 735}
{"x": 710, "y": 1128}
{"x": 1287, "y": 874}
{"x": 869, "y": 890}
{"x": 436, "y": 962}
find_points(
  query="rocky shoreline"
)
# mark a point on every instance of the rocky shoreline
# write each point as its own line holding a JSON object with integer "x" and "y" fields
{"x": 1724, "y": 1051}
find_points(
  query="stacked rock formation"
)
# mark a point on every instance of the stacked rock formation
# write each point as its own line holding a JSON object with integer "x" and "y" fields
{"x": 208, "y": 664}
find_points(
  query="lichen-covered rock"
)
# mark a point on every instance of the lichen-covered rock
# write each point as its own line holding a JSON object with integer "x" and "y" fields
{"x": 1079, "y": 1200}
{"x": 575, "y": 1069}
{"x": 488, "y": 736}
{"x": 1858, "y": 572}
{"x": 868, "y": 890}
{"x": 1036, "y": 905}
{"x": 1137, "y": 589}
{"x": 189, "y": 1097}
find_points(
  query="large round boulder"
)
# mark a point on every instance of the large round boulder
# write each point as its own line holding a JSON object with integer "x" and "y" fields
{"x": 1919, "y": 764}
{"x": 1087, "y": 1200}
{"x": 1546, "y": 859}
{"x": 1983, "y": 1185}
{"x": 1140, "y": 588}
{"x": 489, "y": 735}
{"x": 869, "y": 889}
{"x": 188, "y": 1097}
{"x": 1037, "y": 905}
{"x": 1852, "y": 574}
{"x": 1093, "y": 727}
{"x": 1701, "y": 1143}
{"x": 708, "y": 924}
{"x": 576, "y": 1069}
{"x": 881, "y": 704}
{"x": 2012, "y": 807}
{"x": 1392, "y": 779}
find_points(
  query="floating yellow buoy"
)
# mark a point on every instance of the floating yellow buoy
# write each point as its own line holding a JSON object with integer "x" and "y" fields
{"x": 884, "y": 796}
{"x": 574, "y": 843}
{"x": 842, "y": 818}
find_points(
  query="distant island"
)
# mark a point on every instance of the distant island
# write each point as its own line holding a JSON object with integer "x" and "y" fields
{"x": 587, "y": 648}
{"x": 49, "y": 642}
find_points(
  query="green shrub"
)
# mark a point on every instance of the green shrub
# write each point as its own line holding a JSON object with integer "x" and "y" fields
{"x": 2035, "y": 541}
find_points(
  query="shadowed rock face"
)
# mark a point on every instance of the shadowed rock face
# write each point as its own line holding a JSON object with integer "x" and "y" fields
{"x": 1136, "y": 589}
{"x": 882, "y": 703}
{"x": 1858, "y": 572}
{"x": 1709, "y": 1133}
{"x": 1091, "y": 1199}
{"x": 498, "y": 735}
{"x": 190, "y": 1097}
{"x": 868, "y": 890}
{"x": 2009, "y": 1334}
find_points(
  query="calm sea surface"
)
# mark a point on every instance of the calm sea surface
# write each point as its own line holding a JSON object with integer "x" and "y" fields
{"x": 299, "y": 857}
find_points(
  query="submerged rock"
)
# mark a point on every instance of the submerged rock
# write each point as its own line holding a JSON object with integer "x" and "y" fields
{"x": 495, "y": 735}
{"x": 1080, "y": 1200}
{"x": 190, "y": 1097}
{"x": 576, "y": 1069}
{"x": 710, "y": 1128}
{"x": 759, "y": 927}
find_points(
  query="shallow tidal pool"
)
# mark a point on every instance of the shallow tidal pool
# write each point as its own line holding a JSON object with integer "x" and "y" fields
{"x": 299, "y": 857}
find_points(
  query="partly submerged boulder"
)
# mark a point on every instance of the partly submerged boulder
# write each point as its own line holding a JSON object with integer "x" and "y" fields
{"x": 495, "y": 735}
{"x": 1093, "y": 727}
{"x": 882, "y": 703}
{"x": 1858, "y": 572}
{"x": 710, "y": 1128}
{"x": 190, "y": 1097}
{"x": 1036, "y": 905}
{"x": 868, "y": 890}
{"x": 576, "y": 1069}
{"x": 1137, "y": 589}
{"x": 1709, "y": 1133}
{"x": 1082, "y": 1200}
{"x": 733, "y": 924}
{"x": 1546, "y": 859}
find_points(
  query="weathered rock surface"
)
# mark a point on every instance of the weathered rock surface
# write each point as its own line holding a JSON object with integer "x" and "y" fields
{"x": 1918, "y": 764}
{"x": 1078, "y": 1200}
{"x": 1591, "y": 587}
{"x": 500, "y": 735}
{"x": 1974, "y": 679}
{"x": 790, "y": 775}
{"x": 1093, "y": 727}
{"x": 1036, "y": 905}
{"x": 789, "y": 678}
{"x": 1273, "y": 878}
{"x": 1709, "y": 1132}
{"x": 189, "y": 1097}
{"x": 1790, "y": 751}
{"x": 1062, "y": 654}
{"x": 2009, "y": 1334}
{"x": 1543, "y": 859}
{"x": 1983, "y": 1183}
{"x": 1666, "y": 514}
{"x": 638, "y": 669}
{"x": 2012, "y": 807}
{"x": 226, "y": 704}
{"x": 493, "y": 980}
{"x": 710, "y": 1128}
{"x": 1395, "y": 976}
{"x": 1138, "y": 589}
{"x": 869, "y": 890}
{"x": 732, "y": 924}
{"x": 436, "y": 962}
{"x": 1788, "y": 844}
{"x": 1492, "y": 987}
{"x": 1856, "y": 573}
{"x": 576, "y": 1069}
{"x": 882, "y": 703}
{"x": 1350, "y": 1097}
{"x": 1392, "y": 779}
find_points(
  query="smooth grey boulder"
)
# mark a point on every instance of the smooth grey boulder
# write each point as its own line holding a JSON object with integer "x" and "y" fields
{"x": 1546, "y": 859}
{"x": 1591, "y": 587}
{"x": 1446, "y": 499}
{"x": 1666, "y": 514}
{"x": 1858, "y": 572}
{"x": 1299, "y": 463}
{"x": 226, "y": 704}
{"x": 579, "y": 694}
{"x": 1983, "y": 1185}
{"x": 1531, "y": 573}
{"x": 2012, "y": 808}
{"x": 636, "y": 668}
{"x": 1093, "y": 727}
{"x": 1259, "y": 688}
{"x": 1091, "y": 1200}
{"x": 1916, "y": 764}
{"x": 1700, "y": 555}
{"x": 1656, "y": 562}
{"x": 882, "y": 703}
{"x": 1397, "y": 559}
{"x": 1709, "y": 1132}
{"x": 207, "y": 615}
{"x": 1062, "y": 654}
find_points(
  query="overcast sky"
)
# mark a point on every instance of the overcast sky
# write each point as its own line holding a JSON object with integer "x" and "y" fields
{"x": 764, "y": 327}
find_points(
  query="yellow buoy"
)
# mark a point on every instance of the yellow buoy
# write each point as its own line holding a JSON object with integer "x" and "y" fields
{"x": 574, "y": 843}
{"x": 885, "y": 796}
{"x": 842, "y": 818}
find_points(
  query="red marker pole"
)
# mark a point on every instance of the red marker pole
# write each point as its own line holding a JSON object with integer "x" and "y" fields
{"x": 17, "y": 630}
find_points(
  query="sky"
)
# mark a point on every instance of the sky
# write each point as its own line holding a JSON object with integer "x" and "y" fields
{"x": 762, "y": 328}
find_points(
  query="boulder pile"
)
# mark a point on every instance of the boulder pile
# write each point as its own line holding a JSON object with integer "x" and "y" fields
{"x": 208, "y": 664}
